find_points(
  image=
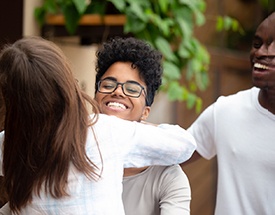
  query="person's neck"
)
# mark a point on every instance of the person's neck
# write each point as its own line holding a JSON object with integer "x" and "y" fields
{"x": 266, "y": 100}
{"x": 133, "y": 171}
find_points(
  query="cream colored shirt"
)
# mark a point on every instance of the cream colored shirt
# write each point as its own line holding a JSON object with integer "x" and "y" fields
{"x": 158, "y": 190}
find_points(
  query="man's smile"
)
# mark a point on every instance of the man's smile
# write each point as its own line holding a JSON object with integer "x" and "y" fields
{"x": 260, "y": 66}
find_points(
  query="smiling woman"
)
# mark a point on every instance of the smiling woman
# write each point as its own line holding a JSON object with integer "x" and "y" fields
{"x": 120, "y": 99}
{"x": 128, "y": 76}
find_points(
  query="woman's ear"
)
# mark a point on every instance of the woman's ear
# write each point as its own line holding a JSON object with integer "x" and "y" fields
{"x": 145, "y": 113}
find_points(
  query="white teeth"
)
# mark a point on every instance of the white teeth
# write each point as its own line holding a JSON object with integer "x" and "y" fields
{"x": 260, "y": 66}
{"x": 116, "y": 105}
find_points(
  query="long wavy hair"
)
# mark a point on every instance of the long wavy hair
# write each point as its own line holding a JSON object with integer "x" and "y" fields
{"x": 46, "y": 121}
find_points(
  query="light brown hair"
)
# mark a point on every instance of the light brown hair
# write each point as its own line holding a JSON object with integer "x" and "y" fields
{"x": 46, "y": 120}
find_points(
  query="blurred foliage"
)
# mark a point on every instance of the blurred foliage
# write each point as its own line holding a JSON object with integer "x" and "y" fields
{"x": 268, "y": 5}
{"x": 168, "y": 25}
{"x": 241, "y": 40}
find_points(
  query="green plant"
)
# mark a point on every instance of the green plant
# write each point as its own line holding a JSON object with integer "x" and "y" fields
{"x": 267, "y": 5}
{"x": 72, "y": 10}
{"x": 167, "y": 25}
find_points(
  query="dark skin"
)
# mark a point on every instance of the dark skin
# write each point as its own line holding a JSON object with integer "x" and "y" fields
{"x": 262, "y": 58}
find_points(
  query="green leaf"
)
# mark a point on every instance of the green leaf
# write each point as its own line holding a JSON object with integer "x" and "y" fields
{"x": 204, "y": 80}
{"x": 72, "y": 18}
{"x": 192, "y": 86}
{"x": 165, "y": 81}
{"x": 187, "y": 2}
{"x": 200, "y": 18}
{"x": 189, "y": 70}
{"x": 163, "y": 4}
{"x": 166, "y": 26}
{"x": 198, "y": 105}
{"x": 133, "y": 24}
{"x": 137, "y": 10}
{"x": 39, "y": 14}
{"x": 163, "y": 25}
{"x": 227, "y": 22}
{"x": 185, "y": 27}
{"x": 175, "y": 92}
{"x": 119, "y": 4}
{"x": 50, "y": 6}
{"x": 183, "y": 50}
{"x": 219, "y": 23}
{"x": 96, "y": 7}
{"x": 201, "y": 5}
{"x": 164, "y": 46}
{"x": 191, "y": 100}
{"x": 203, "y": 55}
{"x": 80, "y": 5}
{"x": 171, "y": 71}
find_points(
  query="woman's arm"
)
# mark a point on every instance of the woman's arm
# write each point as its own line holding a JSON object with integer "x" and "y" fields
{"x": 175, "y": 192}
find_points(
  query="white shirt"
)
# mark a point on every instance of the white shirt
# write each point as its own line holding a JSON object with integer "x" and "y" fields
{"x": 122, "y": 144}
{"x": 242, "y": 134}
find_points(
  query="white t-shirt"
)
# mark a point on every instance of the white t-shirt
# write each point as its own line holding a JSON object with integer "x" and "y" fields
{"x": 242, "y": 134}
{"x": 157, "y": 190}
{"x": 122, "y": 144}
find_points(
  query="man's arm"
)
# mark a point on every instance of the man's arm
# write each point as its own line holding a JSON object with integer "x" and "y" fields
{"x": 196, "y": 156}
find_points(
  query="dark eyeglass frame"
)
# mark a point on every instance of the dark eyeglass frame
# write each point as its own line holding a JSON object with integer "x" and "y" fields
{"x": 122, "y": 87}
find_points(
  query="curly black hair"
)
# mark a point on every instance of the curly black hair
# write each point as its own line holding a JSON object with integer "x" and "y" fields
{"x": 143, "y": 56}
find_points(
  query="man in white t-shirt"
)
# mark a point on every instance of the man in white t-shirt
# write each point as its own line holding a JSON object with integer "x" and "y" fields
{"x": 125, "y": 67}
{"x": 240, "y": 130}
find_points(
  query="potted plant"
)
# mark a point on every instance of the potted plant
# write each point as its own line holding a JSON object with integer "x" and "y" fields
{"x": 167, "y": 25}
{"x": 73, "y": 13}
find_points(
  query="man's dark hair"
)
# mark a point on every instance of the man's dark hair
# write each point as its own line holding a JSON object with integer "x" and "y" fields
{"x": 142, "y": 56}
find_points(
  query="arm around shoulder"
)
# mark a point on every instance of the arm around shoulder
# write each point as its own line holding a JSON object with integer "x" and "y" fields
{"x": 160, "y": 145}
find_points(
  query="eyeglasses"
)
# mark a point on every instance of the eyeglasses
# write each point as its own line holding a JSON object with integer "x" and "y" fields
{"x": 129, "y": 88}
